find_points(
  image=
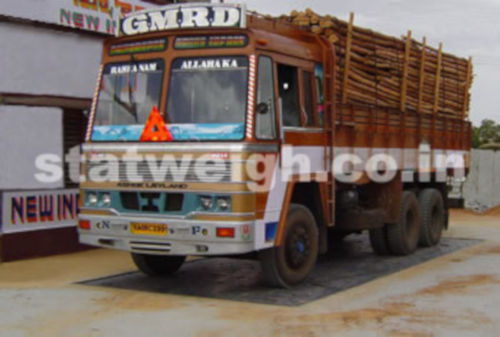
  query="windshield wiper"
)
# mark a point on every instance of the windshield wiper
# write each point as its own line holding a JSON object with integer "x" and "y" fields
{"x": 131, "y": 98}
{"x": 131, "y": 107}
{"x": 127, "y": 107}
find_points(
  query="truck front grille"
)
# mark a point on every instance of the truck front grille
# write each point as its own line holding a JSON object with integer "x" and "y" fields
{"x": 149, "y": 201}
{"x": 173, "y": 202}
{"x": 129, "y": 200}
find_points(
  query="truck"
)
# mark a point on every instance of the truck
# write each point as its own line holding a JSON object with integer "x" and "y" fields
{"x": 216, "y": 131}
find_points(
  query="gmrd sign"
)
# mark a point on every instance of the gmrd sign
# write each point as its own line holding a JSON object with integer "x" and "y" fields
{"x": 184, "y": 16}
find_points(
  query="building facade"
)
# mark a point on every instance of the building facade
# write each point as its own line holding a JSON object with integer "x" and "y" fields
{"x": 50, "y": 56}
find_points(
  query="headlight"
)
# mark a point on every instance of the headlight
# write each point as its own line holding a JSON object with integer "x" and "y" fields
{"x": 92, "y": 199}
{"x": 223, "y": 203}
{"x": 105, "y": 199}
{"x": 206, "y": 202}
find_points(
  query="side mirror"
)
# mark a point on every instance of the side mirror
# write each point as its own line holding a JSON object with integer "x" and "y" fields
{"x": 262, "y": 108}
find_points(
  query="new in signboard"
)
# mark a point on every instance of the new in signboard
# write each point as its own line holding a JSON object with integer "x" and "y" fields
{"x": 34, "y": 210}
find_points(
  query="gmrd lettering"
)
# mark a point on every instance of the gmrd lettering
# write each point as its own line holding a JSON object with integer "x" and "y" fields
{"x": 187, "y": 17}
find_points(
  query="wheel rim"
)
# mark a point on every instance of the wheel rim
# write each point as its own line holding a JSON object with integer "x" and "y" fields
{"x": 297, "y": 247}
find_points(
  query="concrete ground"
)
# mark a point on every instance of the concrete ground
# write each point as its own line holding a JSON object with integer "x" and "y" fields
{"x": 457, "y": 294}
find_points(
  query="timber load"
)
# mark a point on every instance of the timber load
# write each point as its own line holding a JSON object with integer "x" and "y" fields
{"x": 380, "y": 70}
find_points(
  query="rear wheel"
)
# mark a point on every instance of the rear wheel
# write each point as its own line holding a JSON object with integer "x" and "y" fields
{"x": 157, "y": 265}
{"x": 402, "y": 237}
{"x": 291, "y": 262}
{"x": 378, "y": 241}
{"x": 432, "y": 217}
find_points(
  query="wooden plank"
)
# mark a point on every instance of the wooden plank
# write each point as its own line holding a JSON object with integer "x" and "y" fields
{"x": 347, "y": 58}
{"x": 404, "y": 80}
{"x": 466, "y": 91}
{"x": 438, "y": 78}
{"x": 421, "y": 77}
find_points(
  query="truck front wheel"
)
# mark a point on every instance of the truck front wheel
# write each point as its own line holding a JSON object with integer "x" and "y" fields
{"x": 291, "y": 262}
{"x": 157, "y": 265}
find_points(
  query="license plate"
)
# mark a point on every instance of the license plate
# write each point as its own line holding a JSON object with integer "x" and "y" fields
{"x": 148, "y": 229}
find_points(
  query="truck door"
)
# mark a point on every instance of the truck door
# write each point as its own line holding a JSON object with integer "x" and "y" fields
{"x": 295, "y": 121}
{"x": 301, "y": 122}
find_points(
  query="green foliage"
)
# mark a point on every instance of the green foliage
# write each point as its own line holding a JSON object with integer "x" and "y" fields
{"x": 493, "y": 146}
{"x": 486, "y": 135}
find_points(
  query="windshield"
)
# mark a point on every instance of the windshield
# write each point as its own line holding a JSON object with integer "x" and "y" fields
{"x": 127, "y": 93}
{"x": 207, "y": 98}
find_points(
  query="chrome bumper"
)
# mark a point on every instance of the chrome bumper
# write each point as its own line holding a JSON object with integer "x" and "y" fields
{"x": 183, "y": 237}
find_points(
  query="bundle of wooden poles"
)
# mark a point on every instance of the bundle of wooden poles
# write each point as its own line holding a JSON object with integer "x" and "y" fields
{"x": 376, "y": 69}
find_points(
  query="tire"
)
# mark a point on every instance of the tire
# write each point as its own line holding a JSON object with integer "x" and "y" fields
{"x": 432, "y": 217}
{"x": 157, "y": 265}
{"x": 402, "y": 237}
{"x": 290, "y": 263}
{"x": 378, "y": 241}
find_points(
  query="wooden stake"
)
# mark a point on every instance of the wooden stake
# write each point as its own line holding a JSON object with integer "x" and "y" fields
{"x": 421, "y": 76}
{"x": 383, "y": 70}
{"x": 404, "y": 82}
{"x": 466, "y": 89}
{"x": 347, "y": 58}
{"x": 438, "y": 78}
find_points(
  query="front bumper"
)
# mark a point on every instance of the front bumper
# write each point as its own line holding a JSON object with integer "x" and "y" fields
{"x": 183, "y": 237}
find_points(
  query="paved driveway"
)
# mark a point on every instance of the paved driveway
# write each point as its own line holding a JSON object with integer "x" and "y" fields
{"x": 455, "y": 294}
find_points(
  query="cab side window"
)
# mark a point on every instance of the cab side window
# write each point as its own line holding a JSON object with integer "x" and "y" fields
{"x": 289, "y": 94}
{"x": 264, "y": 117}
{"x": 318, "y": 76}
{"x": 308, "y": 109}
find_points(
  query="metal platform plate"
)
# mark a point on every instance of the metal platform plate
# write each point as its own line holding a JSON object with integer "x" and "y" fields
{"x": 350, "y": 264}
